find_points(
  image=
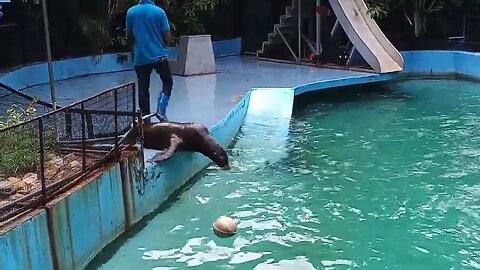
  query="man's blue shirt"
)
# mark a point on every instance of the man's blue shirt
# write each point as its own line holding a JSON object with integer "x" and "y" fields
{"x": 147, "y": 22}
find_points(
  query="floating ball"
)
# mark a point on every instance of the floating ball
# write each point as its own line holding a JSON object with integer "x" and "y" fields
{"x": 224, "y": 227}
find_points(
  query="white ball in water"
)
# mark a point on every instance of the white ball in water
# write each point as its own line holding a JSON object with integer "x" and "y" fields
{"x": 224, "y": 227}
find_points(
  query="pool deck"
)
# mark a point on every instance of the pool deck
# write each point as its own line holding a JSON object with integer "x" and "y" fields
{"x": 58, "y": 235}
{"x": 206, "y": 98}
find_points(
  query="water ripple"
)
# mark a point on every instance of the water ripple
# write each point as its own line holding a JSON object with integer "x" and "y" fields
{"x": 377, "y": 179}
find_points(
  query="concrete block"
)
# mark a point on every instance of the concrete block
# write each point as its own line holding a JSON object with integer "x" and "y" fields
{"x": 195, "y": 56}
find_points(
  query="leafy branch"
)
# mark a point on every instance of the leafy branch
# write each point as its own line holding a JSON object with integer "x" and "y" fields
{"x": 418, "y": 9}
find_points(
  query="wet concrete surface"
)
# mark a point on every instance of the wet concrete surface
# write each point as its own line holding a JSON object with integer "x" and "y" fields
{"x": 206, "y": 98}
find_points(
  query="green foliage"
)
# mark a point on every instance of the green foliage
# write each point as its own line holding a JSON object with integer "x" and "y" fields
{"x": 419, "y": 10}
{"x": 20, "y": 145}
{"x": 97, "y": 31}
{"x": 185, "y": 16}
{"x": 96, "y": 19}
{"x": 17, "y": 115}
{"x": 378, "y": 9}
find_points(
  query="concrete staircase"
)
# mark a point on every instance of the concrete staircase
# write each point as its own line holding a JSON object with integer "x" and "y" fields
{"x": 285, "y": 32}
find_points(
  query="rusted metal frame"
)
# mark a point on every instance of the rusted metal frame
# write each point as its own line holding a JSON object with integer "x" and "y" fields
{"x": 110, "y": 154}
{"x": 71, "y": 181}
{"x": 20, "y": 210}
{"x": 134, "y": 101}
{"x": 42, "y": 194}
{"x": 89, "y": 119}
{"x": 68, "y": 124}
{"x": 115, "y": 97}
{"x": 18, "y": 201}
{"x": 84, "y": 154}
{"x": 126, "y": 85}
{"x": 87, "y": 146}
{"x": 40, "y": 102}
{"x": 31, "y": 195}
{"x": 101, "y": 112}
{"x": 101, "y": 140}
{"x": 66, "y": 110}
{"x": 52, "y": 190}
{"x": 96, "y": 140}
{"x": 71, "y": 108}
{"x": 60, "y": 186}
{"x": 134, "y": 107}
{"x": 42, "y": 161}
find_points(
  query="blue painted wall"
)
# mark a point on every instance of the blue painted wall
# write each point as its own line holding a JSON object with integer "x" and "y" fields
{"x": 92, "y": 216}
{"x": 88, "y": 219}
{"x": 38, "y": 74}
{"x": 465, "y": 63}
{"x": 27, "y": 245}
{"x": 161, "y": 180}
{"x": 429, "y": 61}
{"x": 354, "y": 80}
{"x": 225, "y": 48}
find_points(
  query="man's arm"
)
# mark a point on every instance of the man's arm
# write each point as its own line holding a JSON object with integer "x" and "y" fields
{"x": 129, "y": 30}
{"x": 165, "y": 28}
{"x": 167, "y": 37}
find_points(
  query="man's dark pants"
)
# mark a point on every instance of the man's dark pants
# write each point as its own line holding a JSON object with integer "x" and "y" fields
{"x": 143, "y": 76}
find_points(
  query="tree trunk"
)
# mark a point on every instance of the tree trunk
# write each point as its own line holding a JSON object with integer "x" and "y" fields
{"x": 419, "y": 19}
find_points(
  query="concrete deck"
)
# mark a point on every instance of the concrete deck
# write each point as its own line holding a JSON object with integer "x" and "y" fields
{"x": 205, "y": 99}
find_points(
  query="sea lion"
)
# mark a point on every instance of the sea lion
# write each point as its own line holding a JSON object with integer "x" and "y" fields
{"x": 170, "y": 137}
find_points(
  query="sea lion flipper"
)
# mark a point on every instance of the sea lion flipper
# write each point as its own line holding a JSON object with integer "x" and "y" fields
{"x": 164, "y": 155}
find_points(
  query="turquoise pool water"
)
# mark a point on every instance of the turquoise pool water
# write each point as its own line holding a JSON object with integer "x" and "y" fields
{"x": 379, "y": 177}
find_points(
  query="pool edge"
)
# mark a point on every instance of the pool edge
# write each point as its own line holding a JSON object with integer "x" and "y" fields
{"x": 72, "y": 245}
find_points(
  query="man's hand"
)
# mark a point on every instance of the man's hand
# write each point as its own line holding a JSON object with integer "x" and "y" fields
{"x": 167, "y": 37}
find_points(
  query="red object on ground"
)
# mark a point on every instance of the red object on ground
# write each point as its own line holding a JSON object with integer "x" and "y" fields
{"x": 323, "y": 11}
{"x": 313, "y": 58}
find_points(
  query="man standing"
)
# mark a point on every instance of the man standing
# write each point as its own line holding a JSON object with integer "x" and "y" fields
{"x": 148, "y": 25}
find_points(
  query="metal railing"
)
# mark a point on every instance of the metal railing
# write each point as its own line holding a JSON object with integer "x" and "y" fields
{"x": 10, "y": 97}
{"x": 44, "y": 156}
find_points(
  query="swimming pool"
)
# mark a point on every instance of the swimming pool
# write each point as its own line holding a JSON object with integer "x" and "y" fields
{"x": 378, "y": 176}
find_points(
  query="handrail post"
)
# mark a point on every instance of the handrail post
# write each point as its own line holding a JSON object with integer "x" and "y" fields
{"x": 134, "y": 104}
{"x": 318, "y": 28}
{"x": 42, "y": 161}
{"x": 299, "y": 30}
{"x": 84, "y": 152}
{"x": 50, "y": 65}
{"x": 115, "y": 94}
{"x": 134, "y": 100}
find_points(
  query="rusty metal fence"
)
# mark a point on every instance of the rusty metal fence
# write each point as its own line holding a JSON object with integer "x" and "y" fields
{"x": 46, "y": 155}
